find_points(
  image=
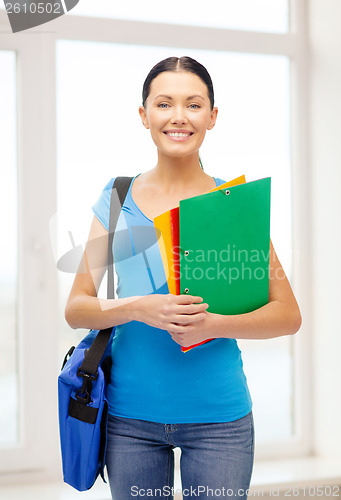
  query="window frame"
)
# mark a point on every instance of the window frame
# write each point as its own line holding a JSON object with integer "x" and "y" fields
{"x": 37, "y": 283}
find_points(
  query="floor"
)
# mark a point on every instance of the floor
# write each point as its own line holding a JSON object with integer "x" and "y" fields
{"x": 54, "y": 491}
{"x": 301, "y": 479}
{"x": 62, "y": 491}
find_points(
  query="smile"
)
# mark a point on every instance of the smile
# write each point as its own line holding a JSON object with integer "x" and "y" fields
{"x": 178, "y": 136}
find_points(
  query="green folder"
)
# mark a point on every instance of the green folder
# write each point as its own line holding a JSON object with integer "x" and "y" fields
{"x": 224, "y": 247}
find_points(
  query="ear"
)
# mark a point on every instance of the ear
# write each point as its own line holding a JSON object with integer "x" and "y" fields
{"x": 213, "y": 118}
{"x": 143, "y": 115}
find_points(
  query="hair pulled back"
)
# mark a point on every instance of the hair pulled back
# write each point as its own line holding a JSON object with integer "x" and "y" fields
{"x": 178, "y": 64}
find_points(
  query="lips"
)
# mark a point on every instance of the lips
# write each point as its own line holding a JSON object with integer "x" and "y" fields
{"x": 178, "y": 131}
{"x": 178, "y": 135}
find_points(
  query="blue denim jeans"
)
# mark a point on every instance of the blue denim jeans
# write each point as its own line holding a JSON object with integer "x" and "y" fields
{"x": 216, "y": 458}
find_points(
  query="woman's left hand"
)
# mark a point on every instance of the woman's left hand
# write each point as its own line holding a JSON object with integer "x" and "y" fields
{"x": 196, "y": 333}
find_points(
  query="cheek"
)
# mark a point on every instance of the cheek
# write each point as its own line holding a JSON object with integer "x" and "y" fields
{"x": 157, "y": 120}
{"x": 200, "y": 122}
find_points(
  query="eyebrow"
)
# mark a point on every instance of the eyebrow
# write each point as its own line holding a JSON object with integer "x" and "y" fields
{"x": 187, "y": 99}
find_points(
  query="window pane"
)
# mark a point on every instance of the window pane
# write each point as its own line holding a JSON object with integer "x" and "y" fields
{"x": 8, "y": 251}
{"x": 253, "y": 15}
{"x": 100, "y": 135}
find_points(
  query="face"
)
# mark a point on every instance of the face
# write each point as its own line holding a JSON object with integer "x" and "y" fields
{"x": 177, "y": 112}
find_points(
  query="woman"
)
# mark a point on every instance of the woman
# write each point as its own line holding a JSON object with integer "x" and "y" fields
{"x": 159, "y": 397}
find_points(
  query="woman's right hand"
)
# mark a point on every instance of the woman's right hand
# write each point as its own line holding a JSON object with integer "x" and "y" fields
{"x": 162, "y": 311}
{"x": 85, "y": 310}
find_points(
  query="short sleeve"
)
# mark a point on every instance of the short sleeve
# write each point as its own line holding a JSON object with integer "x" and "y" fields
{"x": 219, "y": 181}
{"x": 102, "y": 206}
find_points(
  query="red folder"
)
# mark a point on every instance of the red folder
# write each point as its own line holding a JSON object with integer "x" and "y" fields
{"x": 174, "y": 213}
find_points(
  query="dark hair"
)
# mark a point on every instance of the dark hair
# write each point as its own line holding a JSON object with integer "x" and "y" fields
{"x": 178, "y": 64}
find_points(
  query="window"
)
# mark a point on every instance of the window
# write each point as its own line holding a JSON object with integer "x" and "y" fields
{"x": 9, "y": 391}
{"x": 255, "y": 77}
{"x": 253, "y": 15}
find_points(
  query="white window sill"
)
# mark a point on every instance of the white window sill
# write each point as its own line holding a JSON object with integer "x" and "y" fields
{"x": 297, "y": 472}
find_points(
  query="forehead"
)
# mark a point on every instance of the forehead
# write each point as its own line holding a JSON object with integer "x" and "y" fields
{"x": 178, "y": 83}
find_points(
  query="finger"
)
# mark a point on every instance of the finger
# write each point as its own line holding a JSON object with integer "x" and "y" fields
{"x": 181, "y": 340}
{"x": 188, "y": 319}
{"x": 188, "y": 299}
{"x": 191, "y": 308}
{"x": 180, "y": 329}
{"x": 178, "y": 338}
{"x": 175, "y": 338}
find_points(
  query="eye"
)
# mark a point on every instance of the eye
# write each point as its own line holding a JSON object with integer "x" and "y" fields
{"x": 162, "y": 105}
{"x": 194, "y": 106}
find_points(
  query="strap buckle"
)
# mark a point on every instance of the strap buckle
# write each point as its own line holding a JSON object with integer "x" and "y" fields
{"x": 85, "y": 375}
{"x": 83, "y": 395}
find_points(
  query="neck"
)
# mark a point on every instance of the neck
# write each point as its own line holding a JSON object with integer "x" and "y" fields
{"x": 178, "y": 171}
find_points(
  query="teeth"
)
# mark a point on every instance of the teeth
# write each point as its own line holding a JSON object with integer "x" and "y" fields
{"x": 177, "y": 134}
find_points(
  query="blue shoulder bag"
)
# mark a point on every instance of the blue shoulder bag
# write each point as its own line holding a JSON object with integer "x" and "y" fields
{"x": 83, "y": 406}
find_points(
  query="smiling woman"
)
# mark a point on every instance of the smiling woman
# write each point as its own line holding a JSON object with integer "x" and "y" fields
{"x": 251, "y": 136}
{"x": 170, "y": 396}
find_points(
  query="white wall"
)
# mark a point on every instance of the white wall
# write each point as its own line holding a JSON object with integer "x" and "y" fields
{"x": 325, "y": 182}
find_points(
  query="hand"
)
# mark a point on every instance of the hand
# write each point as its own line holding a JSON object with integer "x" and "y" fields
{"x": 196, "y": 333}
{"x": 171, "y": 312}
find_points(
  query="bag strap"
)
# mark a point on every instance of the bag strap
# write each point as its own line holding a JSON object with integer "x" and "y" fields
{"x": 122, "y": 185}
{"x": 89, "y": 367}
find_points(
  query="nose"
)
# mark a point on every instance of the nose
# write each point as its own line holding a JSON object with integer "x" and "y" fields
{"x": 178, "y": 115}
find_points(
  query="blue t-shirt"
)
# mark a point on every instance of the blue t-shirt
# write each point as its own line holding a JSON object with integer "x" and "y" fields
{"x": 151, "y": 378}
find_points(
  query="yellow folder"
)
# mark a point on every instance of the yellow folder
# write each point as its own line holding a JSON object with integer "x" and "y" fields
{"x": 162, "y": 224}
